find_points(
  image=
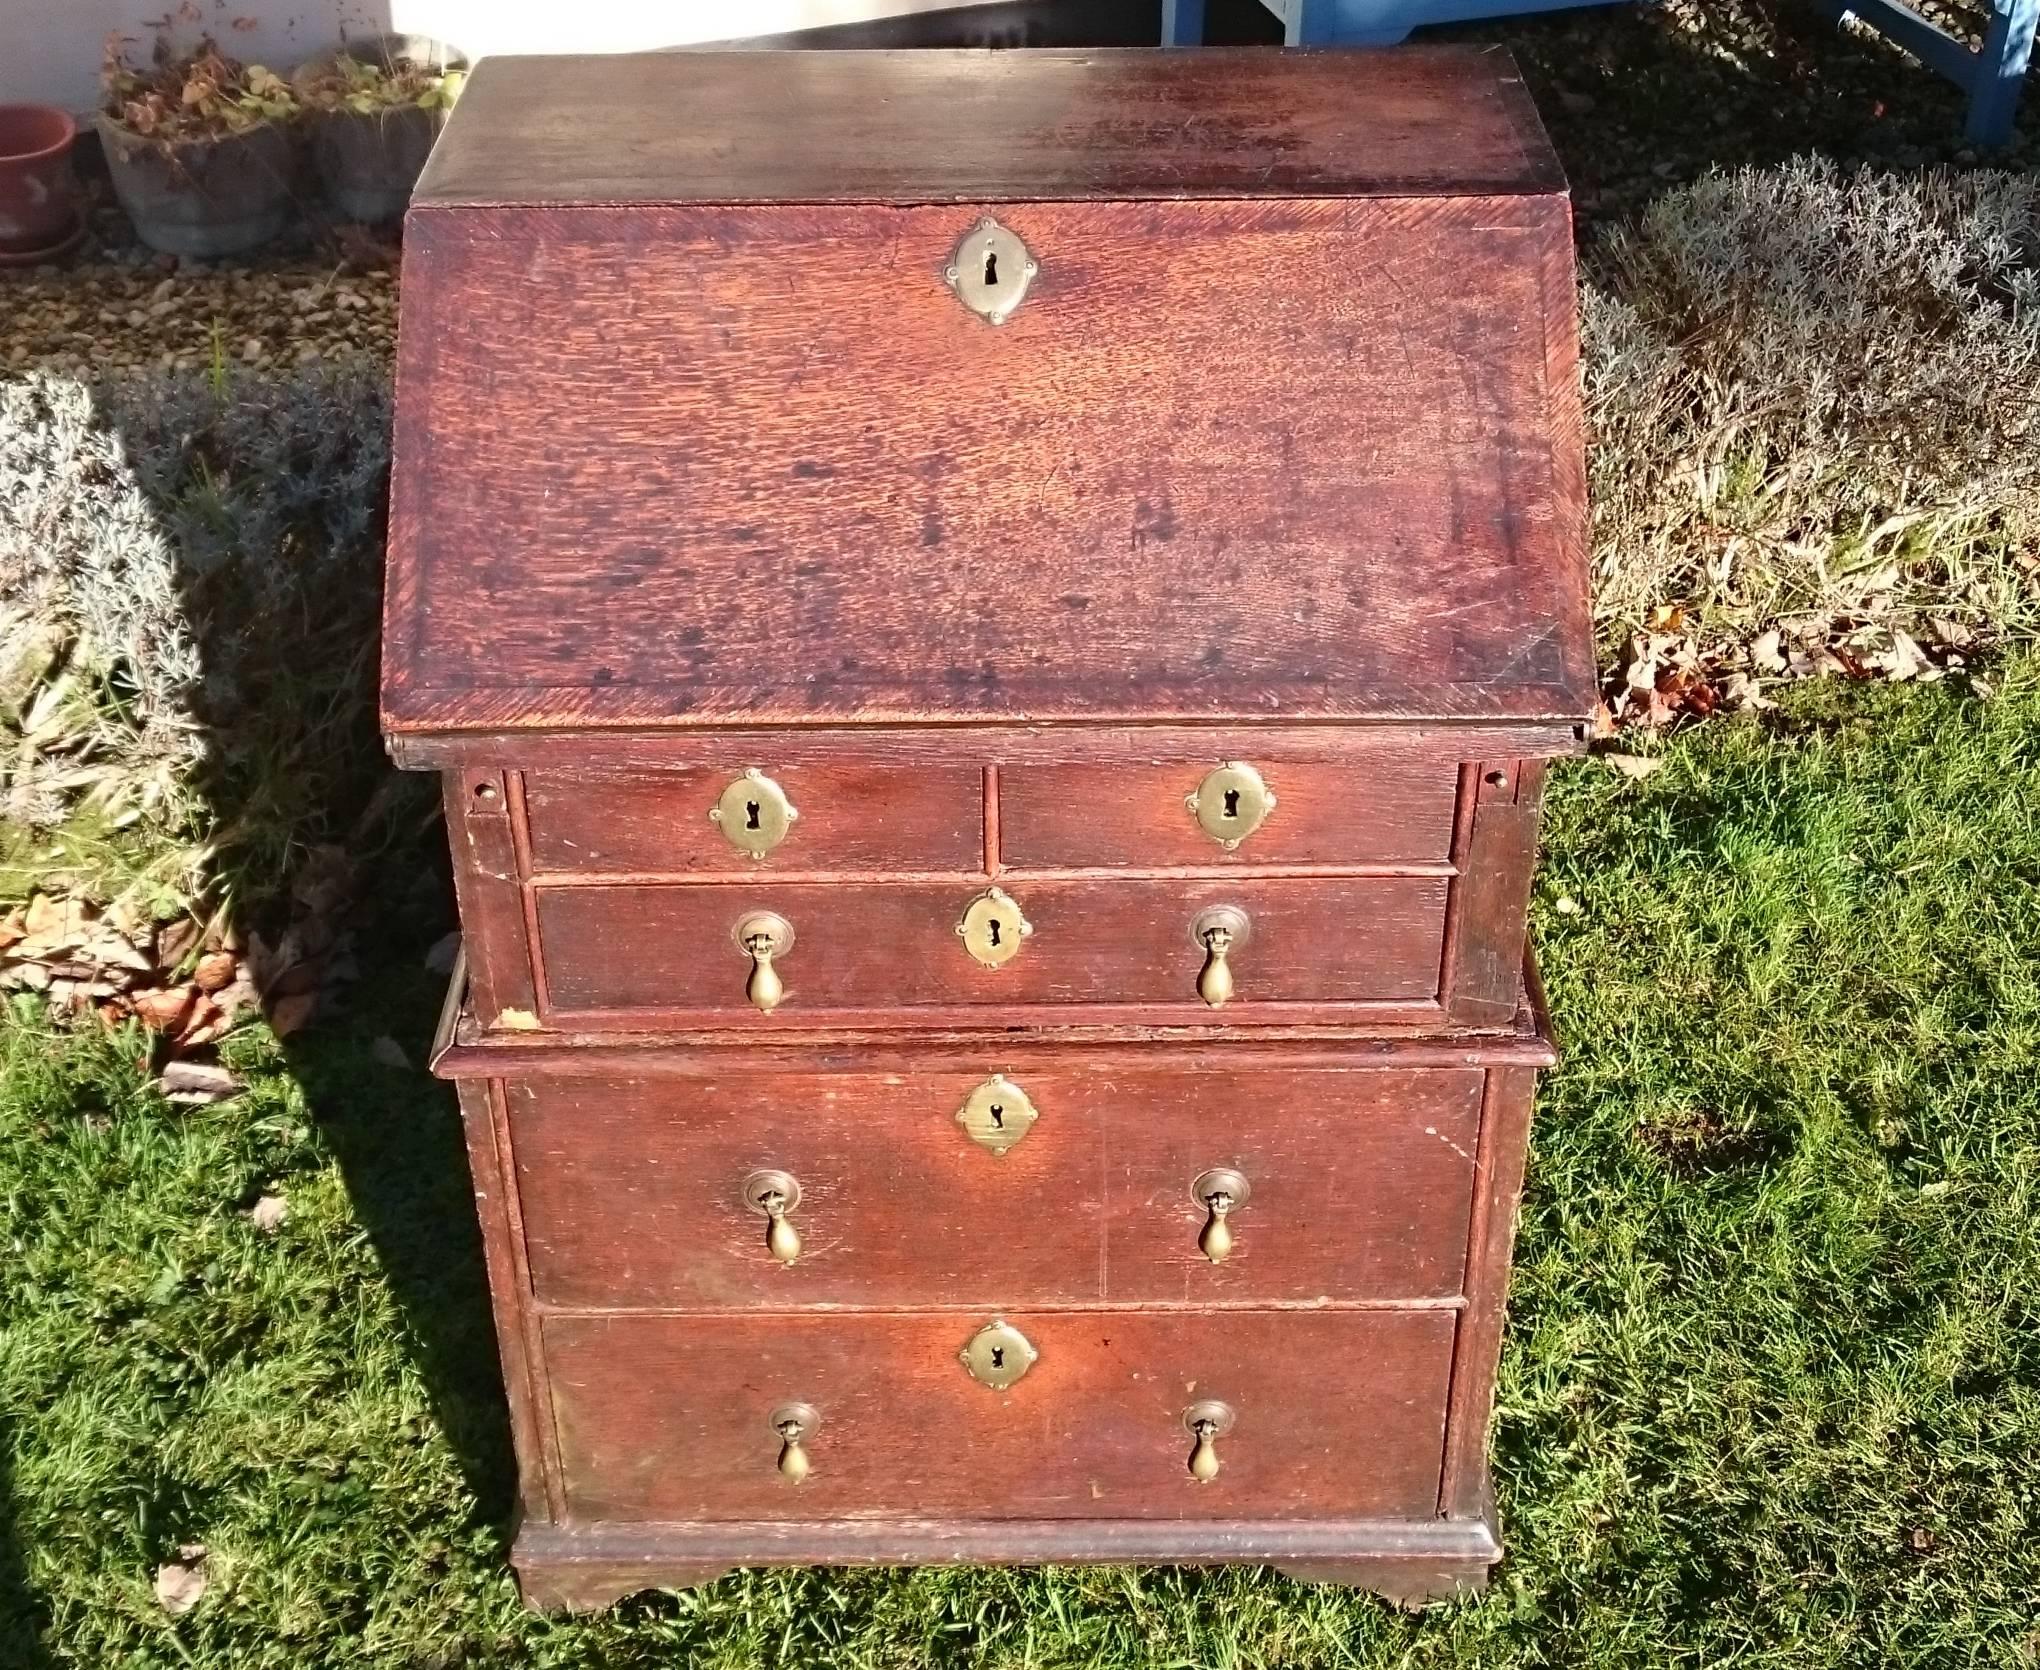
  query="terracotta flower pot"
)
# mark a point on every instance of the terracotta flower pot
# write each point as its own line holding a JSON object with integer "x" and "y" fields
{"x": 368, "y": 161}
{"x": 39, "y": 212}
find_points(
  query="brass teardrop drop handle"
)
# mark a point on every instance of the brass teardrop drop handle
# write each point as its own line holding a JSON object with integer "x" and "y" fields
{"x": 1221, "y": 930}
{"x": 763, "y": 936}
{"x": 795, "y": 1424}
{"x": 1207, "y": 1422}
{"x": 773, "y": 1194}
{"x": 1221, "y": 1192}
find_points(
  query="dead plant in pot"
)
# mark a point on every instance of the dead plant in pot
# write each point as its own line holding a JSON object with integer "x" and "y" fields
{"x": 376, "y": 107}
{"x": 198, "y": 144}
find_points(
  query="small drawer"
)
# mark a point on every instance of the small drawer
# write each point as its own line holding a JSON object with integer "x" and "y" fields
{"x": 1380, "y": 809}
{"x": 1333, "y": 1414}
{"x": 1080, "y": 1187}
{"x": 849, "y": 819}
{"x": 1081, "y": 943}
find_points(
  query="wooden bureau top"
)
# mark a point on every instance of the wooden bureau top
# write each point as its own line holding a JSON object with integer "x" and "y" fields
{"x": 692, "y": 431}
{"x": 947, "y": 127}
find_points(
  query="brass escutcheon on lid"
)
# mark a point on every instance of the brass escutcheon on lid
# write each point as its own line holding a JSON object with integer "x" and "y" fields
{"x": 990, "y": 271}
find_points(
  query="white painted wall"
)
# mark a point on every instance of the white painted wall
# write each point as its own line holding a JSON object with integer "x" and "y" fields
{"x": 50, "y": 49}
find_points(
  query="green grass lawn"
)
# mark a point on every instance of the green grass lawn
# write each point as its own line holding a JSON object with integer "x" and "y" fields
{"x": 1772, "y": 1392}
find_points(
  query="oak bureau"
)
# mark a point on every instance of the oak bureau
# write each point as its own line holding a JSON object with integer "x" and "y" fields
{"x": 992, "y": 626}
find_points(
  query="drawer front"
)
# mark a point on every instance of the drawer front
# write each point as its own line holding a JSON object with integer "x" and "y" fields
{"x": 1360, "y": 1182}
{"x": 848, "y": 818}
{"x": 896, "y": 946}
{"x": 1339, "y": 1414}
{"x": 1379, "y": 809}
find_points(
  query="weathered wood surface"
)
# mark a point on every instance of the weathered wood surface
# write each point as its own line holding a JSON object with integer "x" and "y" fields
{"x": 968, "y": 127}
{"x": 700, "y": 465}
{"x": 1288, "y": 459}
{"x": 1407, "y": 1559}
{"x": 892, "y": 946}
{"x": 1361, "y": 1186}
{"x": 1338, "y": 1413}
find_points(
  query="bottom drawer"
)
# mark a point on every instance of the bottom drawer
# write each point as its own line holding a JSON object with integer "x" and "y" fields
{"x": 1332, "y": 1414}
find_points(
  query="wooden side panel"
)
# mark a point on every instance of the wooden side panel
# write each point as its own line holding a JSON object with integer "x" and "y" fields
{"x": 668, "y": 1418}
{"x": 517, "y": 1339}
{"x": 874, "y": 947}
{"x": 1361, "y": 1185}
{"x": 1491, "y": 897}
{"x": 486, "y": 884}
{"x": 852, "y": 818}
{"x": 1381, "y": 808}
{"x": 1498, "y": 1187}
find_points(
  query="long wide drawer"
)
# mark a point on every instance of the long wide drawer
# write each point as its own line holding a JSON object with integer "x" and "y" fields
{"x": 1323, "y": 1413}
{"x": 892, "y": 946}
{"x": 1358, "y": 1185}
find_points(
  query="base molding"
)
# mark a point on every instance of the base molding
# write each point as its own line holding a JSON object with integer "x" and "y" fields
{"x": 1410, "y": 1562}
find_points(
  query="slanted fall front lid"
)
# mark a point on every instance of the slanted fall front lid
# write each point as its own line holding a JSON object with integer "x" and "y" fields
{"x": 695, "y": 428}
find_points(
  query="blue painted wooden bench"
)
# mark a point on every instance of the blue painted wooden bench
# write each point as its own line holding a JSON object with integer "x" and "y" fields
{"x": 1992, "y": 75}
{"x": 1354, "y": 22}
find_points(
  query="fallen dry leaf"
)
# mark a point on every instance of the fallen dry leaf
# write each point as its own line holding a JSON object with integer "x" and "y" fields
{"x": 1634, "y": 765}
{"x": 268, "y": 1213}
{"x": 177, "y": 941}
{"x": 292, "y": 1012}
{"x": 51, "y": 926}
{"x": 207, "y": 1023}
{"x": 164, "y": 1010}
{"x": 390, "y": 1053}
{"x": 180, "y": 1584}
{"x": 197, "y": 1081}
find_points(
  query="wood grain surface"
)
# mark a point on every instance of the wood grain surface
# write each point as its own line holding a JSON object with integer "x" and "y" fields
{"x": 1361, "y": 1186}
{"x": 755, "y": 465}
{"x": 852, "y": 818}
{"x": 1338, "y": 1414}
{"x": 1385, "y": 810}
{"x": 933, "y": 126}
{"x": 1406, "y": 1560}
{"x": 889, "y": 946}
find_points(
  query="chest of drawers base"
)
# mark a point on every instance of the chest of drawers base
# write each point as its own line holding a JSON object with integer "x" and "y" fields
{"x": 1346, "y": 1346}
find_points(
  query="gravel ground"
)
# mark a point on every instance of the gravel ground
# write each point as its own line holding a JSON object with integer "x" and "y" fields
{"x": 1637, "y": 97}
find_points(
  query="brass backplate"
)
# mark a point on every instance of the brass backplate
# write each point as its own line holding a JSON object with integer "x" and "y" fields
{"x": 997, "y": 1114}
{"x": 993, "y": 928}
{"x": 1231, "y": 803}
{"x": 990, "y": 271}
{"x": 997, "y": 1355}
{"x": 753, "y": 813}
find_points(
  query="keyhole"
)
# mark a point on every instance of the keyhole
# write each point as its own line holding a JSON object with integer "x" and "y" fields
{"x": 1232, "y": 803}
{"x": 998, "y": 1356}
{"x": 998, "y": 1117}
{"x": 750, "y": 814}
{"x": 992, "y": 928}
{"x": 991, "y": 268}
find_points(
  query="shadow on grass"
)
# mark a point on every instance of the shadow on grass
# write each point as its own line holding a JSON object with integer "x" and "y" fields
{"x": 22, "y": 1619}
{"x": 396, "y": 1135}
